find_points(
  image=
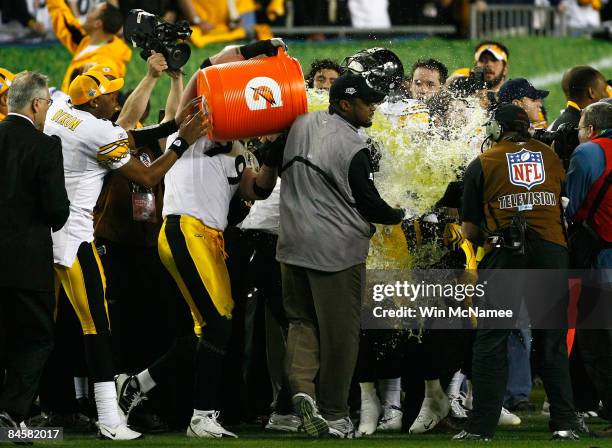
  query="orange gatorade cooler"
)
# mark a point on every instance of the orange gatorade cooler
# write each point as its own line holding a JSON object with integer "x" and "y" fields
{"x": 252, "y": 98}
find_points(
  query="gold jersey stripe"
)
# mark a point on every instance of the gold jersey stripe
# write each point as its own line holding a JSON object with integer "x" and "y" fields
{"x": 106, "y": 148}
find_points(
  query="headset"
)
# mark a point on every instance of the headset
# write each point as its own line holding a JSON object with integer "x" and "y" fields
{"x": 493, "y": 130}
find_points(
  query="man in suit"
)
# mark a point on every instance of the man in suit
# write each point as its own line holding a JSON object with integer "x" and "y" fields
{"x": 33, "y": 201}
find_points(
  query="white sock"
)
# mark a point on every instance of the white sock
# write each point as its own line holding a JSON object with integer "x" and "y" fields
{"x": 454, "y": 388}
{"x": 146, "y": 381}
{"x": 368, "y": 391}
{"x": 198, "y": 413}
{"x": 106, "y": 404}
{"x": 433, "y": 388}
{"x": 391, "y": 391}
{"x": 81, "y": 387}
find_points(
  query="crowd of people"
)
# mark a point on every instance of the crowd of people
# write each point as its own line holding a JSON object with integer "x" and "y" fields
{"x": 223, "y": 20}
{"x": 234, "y": 293}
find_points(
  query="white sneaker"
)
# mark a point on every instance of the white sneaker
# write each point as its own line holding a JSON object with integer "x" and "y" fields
{"x": 391, "y": 419}
{"x": 369, "y": 415}
{"x": 285, "y": 423}
{"x": 456, "y": 407}
{"x": 432, "y": 411}
{"x": 342, "y": 428}
{"x": 207, "y": 427}
{"x": 507, "y": 418}
{"x": 312, "y": 421}
{"x": 121, "y": 432}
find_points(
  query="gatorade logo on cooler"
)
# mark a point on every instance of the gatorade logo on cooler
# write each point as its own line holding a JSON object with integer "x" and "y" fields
{"x": 262, "y": 93}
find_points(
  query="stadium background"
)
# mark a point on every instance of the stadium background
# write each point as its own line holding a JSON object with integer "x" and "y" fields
{"x": 530, "y": 57}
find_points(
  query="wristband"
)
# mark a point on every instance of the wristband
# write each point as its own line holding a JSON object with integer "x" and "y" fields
{"x": 274, "y": 151}
{"x": 261, "y": 192}
{"x": 179, "y": 146}
{"x": 150, "y": 134}
{"x": 260, "y": 47}
{"x": 206, "y": 63}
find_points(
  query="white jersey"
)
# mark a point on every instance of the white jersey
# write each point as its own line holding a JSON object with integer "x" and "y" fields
{"x": 265, "y": 215}
{"x": 201, "y": 186}
{"x": 91, "y": 147}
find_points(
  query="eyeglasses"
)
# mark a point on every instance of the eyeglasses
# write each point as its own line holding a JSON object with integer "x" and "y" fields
{"x": 48, "y": 100}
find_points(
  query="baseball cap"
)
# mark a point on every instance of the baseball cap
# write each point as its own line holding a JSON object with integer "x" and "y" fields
{"x": 106, "y": 69}
{"x": 350, "y": 85}
{"x": 497, "y": 52}
{"x": 515, "y": 89}
{"x": 6, "y": 79}
{"x": 90, "y": 85}
{"x": 512, "y": 117}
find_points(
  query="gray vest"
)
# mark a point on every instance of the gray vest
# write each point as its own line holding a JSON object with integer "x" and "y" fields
{"x": 320, "y": 228}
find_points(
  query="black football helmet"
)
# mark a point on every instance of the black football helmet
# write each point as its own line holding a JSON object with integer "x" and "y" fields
{"x": 382, "y": 69}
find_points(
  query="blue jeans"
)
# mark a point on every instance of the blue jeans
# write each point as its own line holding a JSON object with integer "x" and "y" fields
{"x": 518, "y": 388}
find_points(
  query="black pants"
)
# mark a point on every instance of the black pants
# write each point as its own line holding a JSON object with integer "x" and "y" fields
{"x": 489, "y": 364}
{"x": 26, "y": 339}
{"x": 264, "y": 283}
{"x": 596, "y": 350}
{"x": 141, "y": 297}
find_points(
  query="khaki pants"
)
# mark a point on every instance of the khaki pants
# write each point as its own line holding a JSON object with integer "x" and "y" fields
{"x": 323, "y": 309}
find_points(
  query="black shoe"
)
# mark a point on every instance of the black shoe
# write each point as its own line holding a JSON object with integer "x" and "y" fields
{"x": 85, "y": 407}
{"x": 522, "y": 406}
{"x": 464, "y": 435}
{"x": 568, "y": 434}
{"x": 72, "y": 422}
{"x": 146, "y": 421}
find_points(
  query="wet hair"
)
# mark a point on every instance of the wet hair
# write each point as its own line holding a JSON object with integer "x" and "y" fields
{"x": 431, "y": 64}
{"x": 322, "y": 64}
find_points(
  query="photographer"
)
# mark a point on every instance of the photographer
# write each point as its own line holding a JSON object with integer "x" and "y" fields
{"x": 529, "y": 236}
{"x": 94, "y": 42}
{"x": 582, "y": 85}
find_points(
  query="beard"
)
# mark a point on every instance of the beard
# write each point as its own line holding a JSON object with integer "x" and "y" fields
{"x": 495, "y": 81}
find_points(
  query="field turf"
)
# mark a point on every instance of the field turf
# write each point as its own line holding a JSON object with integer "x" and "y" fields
{"x": 529, "y": 57}
{"x": 532, "y": 433}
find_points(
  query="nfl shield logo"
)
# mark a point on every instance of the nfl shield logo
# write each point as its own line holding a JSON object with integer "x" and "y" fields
{"x": 526, "y": 168}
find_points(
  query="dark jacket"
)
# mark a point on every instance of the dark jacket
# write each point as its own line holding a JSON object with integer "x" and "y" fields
{"x": 33, "y": 201}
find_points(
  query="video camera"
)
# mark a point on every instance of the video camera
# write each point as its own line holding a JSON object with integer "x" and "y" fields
{"x": 468, "y": 85}
{"x": 564, "y": 140}
{"x": 149, "y": 32}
